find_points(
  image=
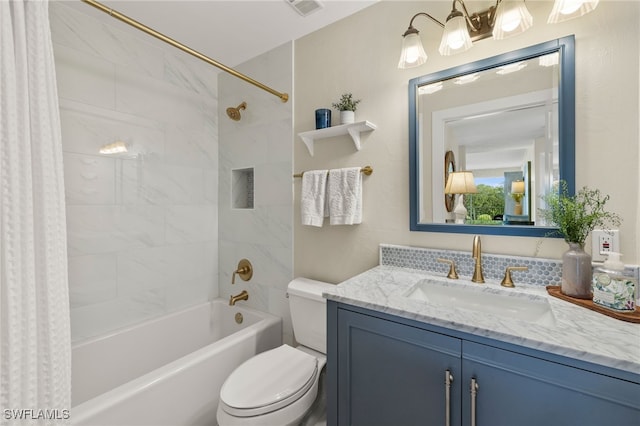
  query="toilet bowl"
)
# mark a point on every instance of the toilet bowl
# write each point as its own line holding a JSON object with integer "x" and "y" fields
{"x": 279, "y": 386}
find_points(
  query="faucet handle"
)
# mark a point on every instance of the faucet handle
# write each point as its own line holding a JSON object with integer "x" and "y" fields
{"x": 452, "y": 268}
{"x": 245, "y": 271}
{"x": 507, "y": 281}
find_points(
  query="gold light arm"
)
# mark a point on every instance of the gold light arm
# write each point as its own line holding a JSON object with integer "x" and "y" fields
{"x": 115, "y": 14}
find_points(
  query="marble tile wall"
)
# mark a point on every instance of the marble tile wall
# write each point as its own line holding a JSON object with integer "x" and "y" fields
{"x": 143, "y": 225}
{"x": 261, "y": 141}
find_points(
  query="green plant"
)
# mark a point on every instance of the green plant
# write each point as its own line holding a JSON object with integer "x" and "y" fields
{"x": 577, "y": 215}
{"x": 346, "y": 103}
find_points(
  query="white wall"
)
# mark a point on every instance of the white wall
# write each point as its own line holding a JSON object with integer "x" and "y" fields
{"x": 142, "y": 228}
{"x": 261, "y": 141}
{"x": 360, "y": 54}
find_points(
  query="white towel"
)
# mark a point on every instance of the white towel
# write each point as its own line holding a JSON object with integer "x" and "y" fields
{"x": 313, "y": 197}
{"x": 344, "y": 189}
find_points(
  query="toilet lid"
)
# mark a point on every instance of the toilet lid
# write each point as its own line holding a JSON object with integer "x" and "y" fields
{"x": 275, "y": 377}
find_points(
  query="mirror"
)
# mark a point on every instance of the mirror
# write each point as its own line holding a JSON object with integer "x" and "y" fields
{"x": 508, "y": 119}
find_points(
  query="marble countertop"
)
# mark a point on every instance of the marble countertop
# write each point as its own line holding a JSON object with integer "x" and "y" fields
{"x": 573, "y": 331}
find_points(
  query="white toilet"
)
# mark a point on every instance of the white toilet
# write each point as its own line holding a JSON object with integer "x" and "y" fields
{"x": 279, "y": 386}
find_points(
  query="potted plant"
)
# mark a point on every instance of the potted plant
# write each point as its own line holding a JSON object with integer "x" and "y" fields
{"x": 347, "y": 107}
{"x": 576, "y": 216}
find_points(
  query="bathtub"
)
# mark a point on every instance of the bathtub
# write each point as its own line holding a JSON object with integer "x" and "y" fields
{"x": 169, "y": 370}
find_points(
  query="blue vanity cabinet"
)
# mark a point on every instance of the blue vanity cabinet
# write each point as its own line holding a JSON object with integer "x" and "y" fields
{"x": 392, "y": 374}
{"x": 516, "y": 389}
{"x": 387, "y": 370}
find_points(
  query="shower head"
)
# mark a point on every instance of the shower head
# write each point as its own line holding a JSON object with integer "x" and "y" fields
{"x": 234, "y": 113}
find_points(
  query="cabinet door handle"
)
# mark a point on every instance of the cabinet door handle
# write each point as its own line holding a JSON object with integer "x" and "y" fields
{"x": 448, "y": 379}
{"x": 474, "y": 393}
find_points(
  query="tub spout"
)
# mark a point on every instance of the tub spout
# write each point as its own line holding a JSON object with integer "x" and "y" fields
{"x": 242, "y": 296}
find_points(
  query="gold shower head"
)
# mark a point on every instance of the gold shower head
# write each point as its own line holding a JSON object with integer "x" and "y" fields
{"x": 234, "y": 113}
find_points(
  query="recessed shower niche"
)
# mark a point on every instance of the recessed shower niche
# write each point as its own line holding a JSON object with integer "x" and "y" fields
{"x": 242, "y": 188}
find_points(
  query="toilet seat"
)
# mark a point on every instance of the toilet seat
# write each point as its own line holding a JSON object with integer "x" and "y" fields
{"x": 269, "y": 381}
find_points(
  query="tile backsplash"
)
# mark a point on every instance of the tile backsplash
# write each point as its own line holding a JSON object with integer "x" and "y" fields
{"x": 541, "y": 271}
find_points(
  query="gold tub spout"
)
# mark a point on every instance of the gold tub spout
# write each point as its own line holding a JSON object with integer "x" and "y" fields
{"x": 242, "y": 296}
{"x": 476, "y": 252}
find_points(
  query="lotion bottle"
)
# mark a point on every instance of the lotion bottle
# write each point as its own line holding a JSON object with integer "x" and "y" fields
{"x": 613, "y": 288}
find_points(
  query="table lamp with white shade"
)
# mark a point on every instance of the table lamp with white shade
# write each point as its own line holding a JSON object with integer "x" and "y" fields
{"x": 460, "y": 183}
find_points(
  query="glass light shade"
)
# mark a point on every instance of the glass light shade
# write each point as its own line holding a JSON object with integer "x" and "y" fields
{"x": 568, "y": 9}
{"x": 512, "y": 18}
{"x": 412, "y": 54}
{"x": 460, "y": 183}
{"x": 455, "y": 37}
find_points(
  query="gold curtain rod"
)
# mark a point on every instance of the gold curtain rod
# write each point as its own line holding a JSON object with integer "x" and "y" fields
{"x": 124, "y": 18}
{"x": 367, "y": 170}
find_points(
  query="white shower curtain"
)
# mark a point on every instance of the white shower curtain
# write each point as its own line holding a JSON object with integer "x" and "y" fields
{"x": 35, "y": 350}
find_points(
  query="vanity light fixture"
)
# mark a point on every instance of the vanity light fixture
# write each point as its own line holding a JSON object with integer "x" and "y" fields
{"x": 564, "y": 10}
{"x": 461, "y": 29}
{"x": 512, "y": 18}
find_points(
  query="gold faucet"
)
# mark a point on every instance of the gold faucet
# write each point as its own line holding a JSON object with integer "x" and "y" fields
{"x": 242, "y": 296}
{"x": 477, "y": 255}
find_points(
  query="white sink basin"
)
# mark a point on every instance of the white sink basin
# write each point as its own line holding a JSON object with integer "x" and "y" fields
{"x": 507, "y": 304}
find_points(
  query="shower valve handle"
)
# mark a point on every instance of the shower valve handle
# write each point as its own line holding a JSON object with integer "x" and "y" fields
{"x": 244, "y": 271}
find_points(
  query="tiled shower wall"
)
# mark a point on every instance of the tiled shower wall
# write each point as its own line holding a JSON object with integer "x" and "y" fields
{"x": 142, "y": 226}
{"x": 259, "y": 227}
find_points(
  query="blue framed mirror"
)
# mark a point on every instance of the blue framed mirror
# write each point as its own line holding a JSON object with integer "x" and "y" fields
{"x": 507, "y": 125}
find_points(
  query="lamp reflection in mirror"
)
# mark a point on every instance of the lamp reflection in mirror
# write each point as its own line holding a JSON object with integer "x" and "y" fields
{"x": 517, "y": 192}
{"x": 460, "y": 183}
{"x": 507, "y": 18}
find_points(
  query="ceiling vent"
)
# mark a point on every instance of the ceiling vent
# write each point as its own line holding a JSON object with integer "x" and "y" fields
{"x": 305, "y": 7}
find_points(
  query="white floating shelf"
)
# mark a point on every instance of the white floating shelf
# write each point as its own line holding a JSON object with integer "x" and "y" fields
{"x": 353, "y": 129}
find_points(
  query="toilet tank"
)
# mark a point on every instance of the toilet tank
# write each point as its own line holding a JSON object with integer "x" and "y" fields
{"x": 309, "y": 312}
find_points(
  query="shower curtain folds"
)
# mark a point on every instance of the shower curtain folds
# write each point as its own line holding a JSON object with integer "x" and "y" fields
{"x": 35, "y": 344}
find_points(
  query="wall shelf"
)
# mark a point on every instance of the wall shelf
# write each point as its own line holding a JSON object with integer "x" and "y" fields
{"x": 353, "y": 129}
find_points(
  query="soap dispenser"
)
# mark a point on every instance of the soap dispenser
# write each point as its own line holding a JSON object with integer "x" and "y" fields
{"x": 613, "y": 288}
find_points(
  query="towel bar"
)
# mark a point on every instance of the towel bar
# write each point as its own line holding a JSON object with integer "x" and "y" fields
{"x": 367, "y": 170}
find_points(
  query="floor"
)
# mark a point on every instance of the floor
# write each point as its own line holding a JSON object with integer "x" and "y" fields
{"x": 317, "y": 415}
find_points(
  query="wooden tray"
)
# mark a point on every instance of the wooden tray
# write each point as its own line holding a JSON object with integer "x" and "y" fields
{"x": 554, "y": 290}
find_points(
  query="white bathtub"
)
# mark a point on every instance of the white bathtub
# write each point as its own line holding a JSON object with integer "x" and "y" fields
{"x": 166, "y": 371}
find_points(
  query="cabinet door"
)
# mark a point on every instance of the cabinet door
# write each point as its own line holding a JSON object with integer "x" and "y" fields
{"x": 392, "y": 374}
{"x": 515, "y": 389}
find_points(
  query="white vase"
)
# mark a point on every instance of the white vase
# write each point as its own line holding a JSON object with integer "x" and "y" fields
{"x": 347, "y": 117}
